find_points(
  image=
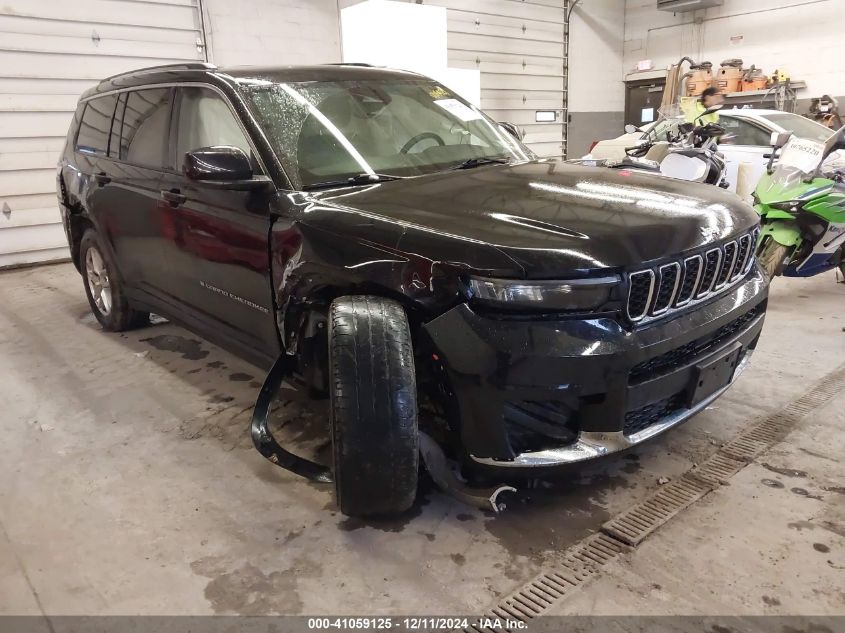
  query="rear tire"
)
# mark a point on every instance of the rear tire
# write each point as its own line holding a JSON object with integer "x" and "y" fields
{"x": 104, "y": 287}
{"x": 772, "y": 256}
{"x": 373, "y": 406}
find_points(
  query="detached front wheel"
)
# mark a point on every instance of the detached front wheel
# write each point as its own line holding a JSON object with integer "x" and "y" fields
{"x": 373, "y": 406}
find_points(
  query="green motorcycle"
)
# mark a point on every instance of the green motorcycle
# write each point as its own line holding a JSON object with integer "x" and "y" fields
{"x": 802, "y": 205}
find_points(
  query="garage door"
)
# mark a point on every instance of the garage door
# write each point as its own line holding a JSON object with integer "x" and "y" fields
{"x": 520, "y": 49}
{"x": 50, "y": 52}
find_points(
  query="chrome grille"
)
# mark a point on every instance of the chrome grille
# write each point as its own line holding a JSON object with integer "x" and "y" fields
{"x": 671, "y": 286}
{"x": 728, "y": 262}
{"x": 670, "y": 274}
{"x": 712, "y": 261}
{"x": 692, "y": 275}
{"x": 745, "y": 249}
{"x": 640, "y": 291}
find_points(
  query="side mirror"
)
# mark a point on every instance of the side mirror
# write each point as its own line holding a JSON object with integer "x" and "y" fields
{"x": 223, "y": 166}
{"x": 511, "y": 129}
{"x": 630, "y": 128}
{"x": 779, "y": 139}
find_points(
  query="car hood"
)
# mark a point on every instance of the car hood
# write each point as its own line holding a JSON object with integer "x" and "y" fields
{"x": 549, "y": 217}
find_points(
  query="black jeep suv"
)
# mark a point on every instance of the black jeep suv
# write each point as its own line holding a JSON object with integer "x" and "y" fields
{"x": 414, "y": 260}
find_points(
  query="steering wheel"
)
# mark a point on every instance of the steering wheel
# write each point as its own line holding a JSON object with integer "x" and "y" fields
{"x": 421, "y": 137}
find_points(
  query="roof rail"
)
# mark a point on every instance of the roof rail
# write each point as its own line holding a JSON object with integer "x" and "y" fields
{"x": 179, "y": 66}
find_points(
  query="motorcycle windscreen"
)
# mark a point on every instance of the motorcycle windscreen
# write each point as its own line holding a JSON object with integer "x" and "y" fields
{"x": 797, "y": 161}
{"x": 683, "y": 167}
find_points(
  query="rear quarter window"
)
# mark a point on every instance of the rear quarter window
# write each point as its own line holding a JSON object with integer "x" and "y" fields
{"x": 93, "y": 135}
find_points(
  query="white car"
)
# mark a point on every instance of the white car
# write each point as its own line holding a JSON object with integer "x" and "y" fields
{"x": 747, "y": 139}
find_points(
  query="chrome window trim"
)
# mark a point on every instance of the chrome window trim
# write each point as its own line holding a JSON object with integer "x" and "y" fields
{"x": 672, "y": 296}
{"x": 724, "y": 247}
{"x": 650, "y": 273}
{"x": 697, "y": 278}
{"x": 701, "y": 293}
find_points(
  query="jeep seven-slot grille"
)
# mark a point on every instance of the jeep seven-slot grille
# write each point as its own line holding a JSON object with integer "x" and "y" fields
{"x": 658, "y": 291}
{"x": 691, "y": 274}
{"x": 728, "y": 263}
{"x": 712, "y": 260}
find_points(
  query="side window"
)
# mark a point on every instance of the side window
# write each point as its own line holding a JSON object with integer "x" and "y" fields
{"x": 739, "y": 132}
{"x": 144, "y": 127}
{"x": 205, "y": 120}
{"x": 93, "y": 136}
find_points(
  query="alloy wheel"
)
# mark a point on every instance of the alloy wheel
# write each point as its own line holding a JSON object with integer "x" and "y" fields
{"x": 97, "y": 276}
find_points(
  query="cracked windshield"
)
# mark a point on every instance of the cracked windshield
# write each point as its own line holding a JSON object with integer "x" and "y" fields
{"x": 349, "y": 132}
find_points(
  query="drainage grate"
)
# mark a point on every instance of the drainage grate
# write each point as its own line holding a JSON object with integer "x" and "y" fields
{"x": 633, "y": 525}
{"x": 717, "y": 469}
{"x": 586, "y": 558}
{"x": 579, "y": 564}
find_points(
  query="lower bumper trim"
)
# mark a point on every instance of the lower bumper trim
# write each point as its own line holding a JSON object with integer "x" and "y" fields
{"x": 591, "y": 445}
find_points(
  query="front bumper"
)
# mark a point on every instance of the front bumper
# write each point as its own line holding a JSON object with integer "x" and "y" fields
{"x": 540, "y": 393}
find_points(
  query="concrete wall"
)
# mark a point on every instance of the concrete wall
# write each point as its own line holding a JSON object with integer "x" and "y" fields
{"x": 596, "y": 87}
{"x": 802, "y": 36}
{"x": 272, "y": 32}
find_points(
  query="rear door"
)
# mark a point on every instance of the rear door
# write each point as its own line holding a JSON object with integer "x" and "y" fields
{"x": 122, "y": 137}
{"x": 219, "y": 254}
{"x": 126, "y": 186}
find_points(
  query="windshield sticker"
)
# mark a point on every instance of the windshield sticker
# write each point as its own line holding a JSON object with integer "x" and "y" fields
{"x": 458, "y": 109}
{"x": 802, "y": 154}
{"x": 439, "y": 92}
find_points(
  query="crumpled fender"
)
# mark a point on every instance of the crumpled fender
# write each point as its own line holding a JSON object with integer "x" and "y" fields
{"x": 785, "y": 233}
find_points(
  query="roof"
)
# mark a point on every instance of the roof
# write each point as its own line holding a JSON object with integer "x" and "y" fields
{"x": 192, "y": 71}
{"x": 751, "y": 111}
{"x": 325, "y": 72}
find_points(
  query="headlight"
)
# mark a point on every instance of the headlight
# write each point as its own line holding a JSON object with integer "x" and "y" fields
{"x": 792, "y": 206}
{"x": 573, "y": 294}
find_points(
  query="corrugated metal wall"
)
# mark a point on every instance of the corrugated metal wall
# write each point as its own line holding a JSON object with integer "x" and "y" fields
{"x": 519, "y": 47}
{"x": 50, "y": 52}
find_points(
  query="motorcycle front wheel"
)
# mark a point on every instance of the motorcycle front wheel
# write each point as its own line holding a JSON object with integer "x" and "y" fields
{"x": 771, "y": 257}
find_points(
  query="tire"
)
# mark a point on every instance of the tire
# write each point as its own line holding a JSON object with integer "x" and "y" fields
{"x": 772, "y": 256}
{"x": 373, "y": 406}
{"x": 104, "y": 287}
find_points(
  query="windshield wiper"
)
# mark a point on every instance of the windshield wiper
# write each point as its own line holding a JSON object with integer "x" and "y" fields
{"x": 360, "y": 179}
{"x": 470, "y": 163}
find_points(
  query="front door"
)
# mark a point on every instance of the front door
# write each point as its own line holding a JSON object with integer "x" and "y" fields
{"x": 219, "y": 255}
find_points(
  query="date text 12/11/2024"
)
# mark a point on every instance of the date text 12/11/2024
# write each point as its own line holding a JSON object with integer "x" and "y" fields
{"x": 424, "y": 623}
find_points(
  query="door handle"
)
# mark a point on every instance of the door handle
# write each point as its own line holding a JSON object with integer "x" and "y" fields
{"x": 102, "y": 178}
{"x": 173, "y": 197}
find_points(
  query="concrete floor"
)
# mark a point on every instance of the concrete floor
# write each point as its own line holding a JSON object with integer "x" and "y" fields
{"x": 128, "y": 485}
